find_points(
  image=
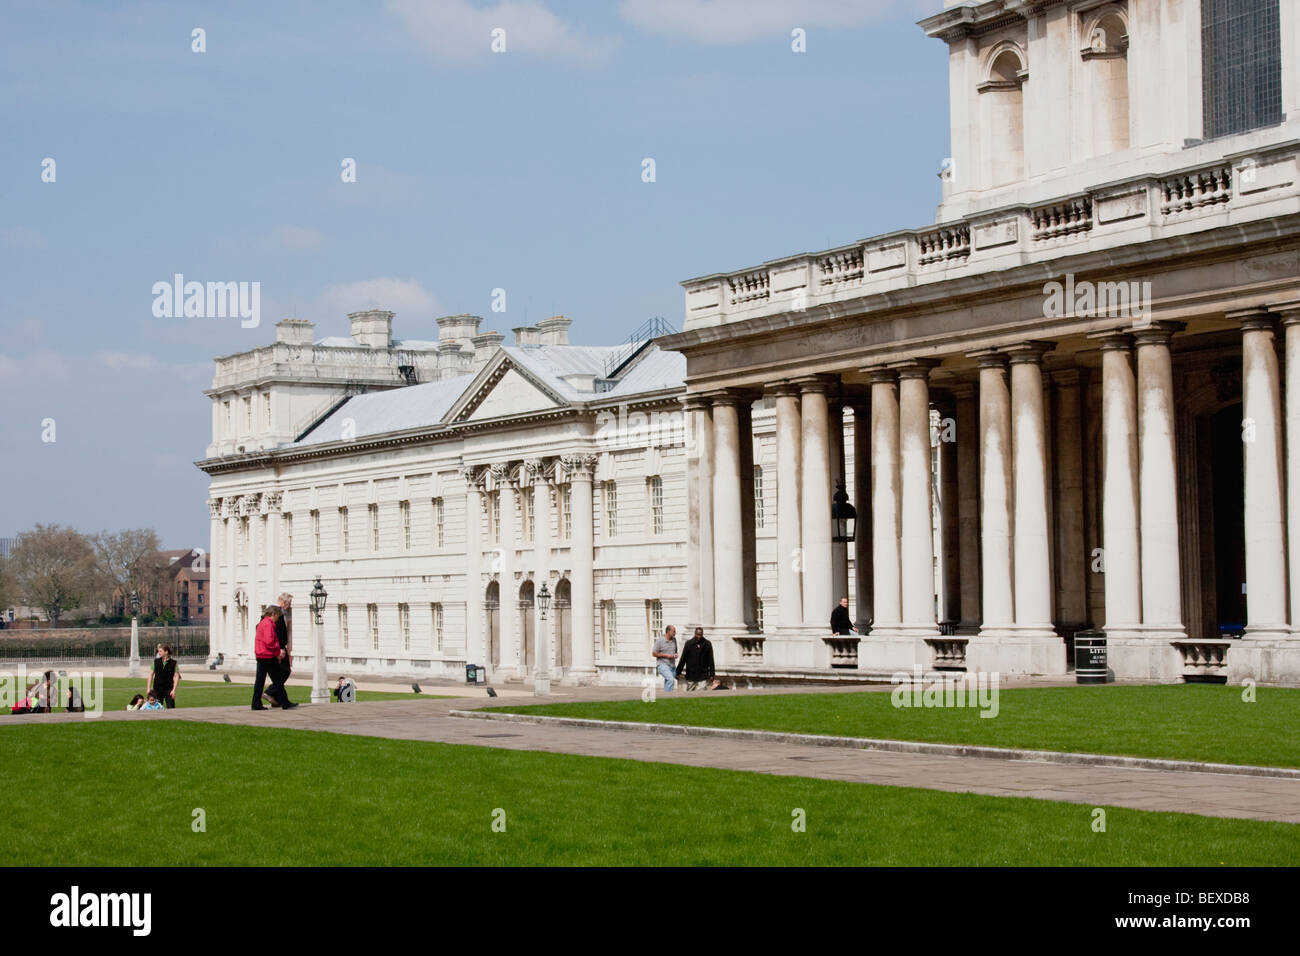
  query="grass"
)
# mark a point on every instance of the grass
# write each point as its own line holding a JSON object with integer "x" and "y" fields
{"x": 118, "y": 692}
{"x": 332, "y": 799}
{"x": 1205, "y": 722}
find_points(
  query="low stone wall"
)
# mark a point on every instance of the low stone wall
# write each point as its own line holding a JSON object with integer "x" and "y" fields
{"x": 100, "y": 642}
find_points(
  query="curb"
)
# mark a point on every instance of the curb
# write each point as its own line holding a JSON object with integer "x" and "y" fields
{"x": 899, "y": 746}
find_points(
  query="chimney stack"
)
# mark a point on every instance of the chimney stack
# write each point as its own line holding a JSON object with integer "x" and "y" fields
{"x": 294, "y": 331}
{"x": 372, "y": 328}
{"x": 458, "y": 328}
{"x": 526, "y": 335}
{"x": 554, "y": 331}
{"x": 484, "y": 346}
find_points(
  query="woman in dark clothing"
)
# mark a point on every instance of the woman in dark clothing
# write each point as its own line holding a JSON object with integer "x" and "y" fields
{"x": 164, "y": 677}
{"x": 269, "y": 653}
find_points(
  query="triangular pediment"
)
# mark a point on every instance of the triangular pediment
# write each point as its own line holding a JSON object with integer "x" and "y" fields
{"x": 501, "y": 390}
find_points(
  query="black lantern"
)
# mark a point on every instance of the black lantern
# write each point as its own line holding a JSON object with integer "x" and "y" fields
{"x": 543, "y": 600}
{"x": 135, "y": 603}
{"x": 844, "y": 517}
{"x": 318, "y": 596}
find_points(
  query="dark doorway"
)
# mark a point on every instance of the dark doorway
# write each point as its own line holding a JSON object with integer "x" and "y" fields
{"x": 1227, "y": 498}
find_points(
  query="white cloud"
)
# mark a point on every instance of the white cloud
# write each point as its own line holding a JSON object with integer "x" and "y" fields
{"x": 406, "y": 297}
{"x": 20, "y": 237}
{"x": 457, "y": 30}
{"x": 733, "y": 22}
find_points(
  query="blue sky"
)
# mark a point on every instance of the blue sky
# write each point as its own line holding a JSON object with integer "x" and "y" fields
{"x": 475, "y": 170}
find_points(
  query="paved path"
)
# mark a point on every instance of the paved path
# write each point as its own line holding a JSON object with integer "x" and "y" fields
{"x": 1208, "y": 794}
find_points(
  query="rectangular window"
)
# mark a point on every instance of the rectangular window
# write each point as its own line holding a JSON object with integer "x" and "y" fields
{"x": 526, "y": 514}
{"x": 437, "y": 626}
{"x": 343, "y": 626}
{"x": 760, "y": 615}
{"x": 405, "y": 508}
{"x": 315, "y": 532}
{"x": 759, "y": 511}
{"x": 1241, "y": 65}
{"x": 248, "y": 414}
{"x": 344, "y": 531}
{"x": 610, "y": 492}
{"x": 372, "y": 614}
{"x": 266, "y": 410}
{"x": 404, "y": 618}
{"x": 656, "y": 494}
{"x": 439, "y": 531}
{"x": 566, "y": 511}
{"x": 609, "y": 627}
{"x": 494, "y": 517}
{"x": 288, "y": 535}
{"x": 654, "y": 617}
{"x": 374, "y": 528}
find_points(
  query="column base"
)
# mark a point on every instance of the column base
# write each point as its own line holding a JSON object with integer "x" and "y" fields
{"x": 895, "y": 647}
{"x": 579, "y": 677}
{"x": 1264, "y": 661}
{"x": 1016, "y": 649}
{"x": 1268, "y": 632}
{"x": 1145, "y": 651}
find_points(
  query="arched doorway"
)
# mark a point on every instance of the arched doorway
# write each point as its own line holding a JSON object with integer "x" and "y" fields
{"x": 562, "y": 608}
{"x": 492, "y": 613}
{"x": 527, "y": 623}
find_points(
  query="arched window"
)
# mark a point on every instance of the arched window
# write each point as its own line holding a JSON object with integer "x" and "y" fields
{"x": 1105, "y": 79}
{"x": 1002, "y": 112}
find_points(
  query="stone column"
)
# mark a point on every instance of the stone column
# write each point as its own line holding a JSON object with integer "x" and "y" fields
{"x": 948, "y": 533}
{"x": 995, "y": 505}
{"x": 233, "y": 639}
{"x": 216, "y": 587}
{"x": 1032, "y": 553}
{"x": 1162, "y": 615}
{"x": 253, "y": 511}
{"x": 1119, "y": 488}
{"x": 886, "y": 523}
{"x": 580, "y": 470}
{"x": 861, "y": 494}
{"x": 541, "y": 489}
{"x": 788, "y": 461}
{"x": 475, "y": 648}
{"x": 690, "y": 405}
{"x": 815, "y": 511}
{"x": 1071, "y": 560}
{"x": 508, "y": 589}
{"x": 968, "y": 502}
{"x": 1290, "y": 313}
{"x": 917, "y": 547}
{"x": 728, "y": 563}
{"x": 703, "y": 437}
{"x": 1265, "y": 525}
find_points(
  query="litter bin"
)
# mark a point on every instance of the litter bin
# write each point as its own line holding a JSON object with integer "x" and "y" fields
{"x": 475, "y": 674}
{"x": 1090, "y": 657}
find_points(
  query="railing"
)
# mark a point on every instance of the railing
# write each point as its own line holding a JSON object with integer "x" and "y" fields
{"x": 944, "y": 244}
{"x": 844, "y": 650}
{"x": 1062, "y": 219}
{"x": 652, "y": 328}
{"x": 841, "y": 267}
{"x": 1181, "y": 194}
{"x": 749, "y": 287}
{"x": 751, "y": 649}
{"x": 1204, "y": 660}
{"x": 947, "y": 653}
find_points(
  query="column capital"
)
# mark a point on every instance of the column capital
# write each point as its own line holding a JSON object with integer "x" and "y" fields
{"x": 696, "y": 401}
{"x": 1029, "y": 353}
{"x": 915, "y": 368}
{"x": 215, "y": 506}
{"x": 273, "y": 500}
{"x": 989, "y": 358}
{"x": 1258, "y": 319}
{"x": 472, "y": 476}
{"x": 1113, "y": 340}
{"x": 579, "y": 467}
{"x": 1157, "y": 333}
{"x": 784, "y": 389}
{"x": 815, "y": 383}
{"x": 880, "y": 375}
{"x": 1288, "y": 312}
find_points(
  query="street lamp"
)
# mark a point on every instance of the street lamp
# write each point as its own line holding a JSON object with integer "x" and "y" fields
{"x": 320, "y": 694}
{"x": 844, "y": 517}
{"x": 133, "y": 666}
{"x": 542, "y": 673}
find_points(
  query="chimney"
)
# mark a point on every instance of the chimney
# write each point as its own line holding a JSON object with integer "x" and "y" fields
{"x": 484, "y": 346}
{"x": 526, "y": 335}
{"x": 372, "y": 329}
{"x": 555, "y": 330}
{"x": 294, "y": 331}
{"x": 453, "y": 360}
{"x": 460, "y": 329}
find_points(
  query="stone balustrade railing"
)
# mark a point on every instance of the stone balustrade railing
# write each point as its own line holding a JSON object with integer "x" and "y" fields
{"x": 1205, "y": 660}
{"x": 1141, "y": 208}
{"x": 323, "y": 362}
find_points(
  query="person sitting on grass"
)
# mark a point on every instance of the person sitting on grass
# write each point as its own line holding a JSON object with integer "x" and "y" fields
{"x": 346, "y": 691}
{"x": 137, "y": 702}
{"x": 153, "y": 703}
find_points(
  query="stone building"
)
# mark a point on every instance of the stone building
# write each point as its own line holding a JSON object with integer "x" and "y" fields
{"x": 1105, "y": 318}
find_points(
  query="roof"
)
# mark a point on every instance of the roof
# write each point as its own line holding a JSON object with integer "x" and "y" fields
{"x": 423, "y": 406}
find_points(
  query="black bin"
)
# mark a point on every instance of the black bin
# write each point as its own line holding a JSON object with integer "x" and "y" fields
{"x": 1090, "y": 657}
{"x": 471, "y": 673}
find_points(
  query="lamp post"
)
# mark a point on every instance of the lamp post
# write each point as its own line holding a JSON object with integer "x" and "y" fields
{"x": 844, "y": 517}
{"x": 542, "y": 673}
{"x": 133, "y": 666}
{"x": 320, "y": 694}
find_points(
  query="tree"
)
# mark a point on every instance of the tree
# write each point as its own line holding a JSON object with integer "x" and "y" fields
{"x": 6, "y": 585}
{"x": 53, "y": 569}
{"x": 124, "y": 562}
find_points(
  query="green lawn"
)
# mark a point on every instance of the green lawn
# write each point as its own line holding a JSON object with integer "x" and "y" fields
{"x": 302, "y": 797}
{"x": 1206, "y": 722}
{"x": 118, "y": 692}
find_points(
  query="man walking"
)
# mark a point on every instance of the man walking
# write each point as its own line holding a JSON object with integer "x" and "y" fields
{"x": 841, "y": 623}
{"x": 269, "y": 653}
{"x": 665, "y": 654}
{"x": 284, "y": 634}
{"x": 697, "y": 662}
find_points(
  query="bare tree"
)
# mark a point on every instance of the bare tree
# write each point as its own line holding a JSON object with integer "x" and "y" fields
{"x": 6, "y": 584}
{"x": 53, "y": 569}
{"x": 124, "y": 562}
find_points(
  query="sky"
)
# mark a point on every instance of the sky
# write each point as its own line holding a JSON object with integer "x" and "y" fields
{"x": 521, "y": 170}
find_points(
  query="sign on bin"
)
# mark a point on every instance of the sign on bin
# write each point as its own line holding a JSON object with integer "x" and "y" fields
{"x": 1090, "y": 657}
{"x": 475, "y": 674}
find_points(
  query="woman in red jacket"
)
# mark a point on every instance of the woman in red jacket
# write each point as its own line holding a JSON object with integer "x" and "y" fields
{"x": 266, "y": 646}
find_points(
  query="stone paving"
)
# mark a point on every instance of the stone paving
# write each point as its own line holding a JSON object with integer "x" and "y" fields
{"x": 1207, "y": 794}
